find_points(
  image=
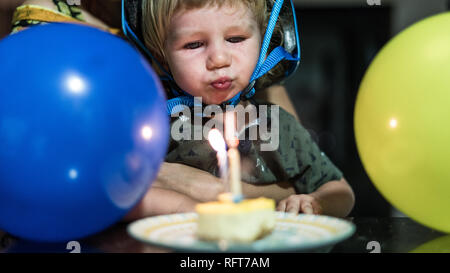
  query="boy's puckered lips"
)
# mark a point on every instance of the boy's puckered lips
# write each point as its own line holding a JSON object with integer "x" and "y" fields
{"x": 223, "y": 83}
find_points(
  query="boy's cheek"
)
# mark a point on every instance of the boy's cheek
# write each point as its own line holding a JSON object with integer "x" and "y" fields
{"x": 185, "y": 68}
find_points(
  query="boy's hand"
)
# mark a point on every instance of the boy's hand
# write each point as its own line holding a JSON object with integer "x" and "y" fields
{"x": 300, "y": 203}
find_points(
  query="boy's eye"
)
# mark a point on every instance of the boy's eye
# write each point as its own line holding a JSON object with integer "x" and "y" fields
{"x": 193, "y": 45}
{"x": 235, "y": 39}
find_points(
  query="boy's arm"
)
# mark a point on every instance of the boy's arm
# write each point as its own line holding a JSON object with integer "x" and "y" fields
{"x": 203, "y": 186}
{"x": 334, "y": 198}
{"x": 277, "y": 191}
{"x": 159, "y": 201}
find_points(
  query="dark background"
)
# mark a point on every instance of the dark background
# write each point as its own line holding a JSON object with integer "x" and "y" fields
{"x": 338, "y": 44}
{"x": 339, "y": 39}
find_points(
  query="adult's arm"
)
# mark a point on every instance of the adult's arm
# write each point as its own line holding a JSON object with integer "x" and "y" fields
{"x": 203, "y": 186}
{"x": 277, "y": 94}
{"x": 158, "y": 201}
{"x": 89, "y": 17}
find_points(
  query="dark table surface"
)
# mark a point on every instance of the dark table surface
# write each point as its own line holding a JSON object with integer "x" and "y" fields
{"x": 386, "y": 235}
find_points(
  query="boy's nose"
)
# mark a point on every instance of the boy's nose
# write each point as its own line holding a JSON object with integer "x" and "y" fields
{"x": 218, "y": 57}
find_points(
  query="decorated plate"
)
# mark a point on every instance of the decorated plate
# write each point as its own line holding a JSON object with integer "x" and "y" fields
{"x": 292, "y": 233}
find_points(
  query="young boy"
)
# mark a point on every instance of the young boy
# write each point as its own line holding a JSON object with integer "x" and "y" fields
{"x": 211, "y": 49}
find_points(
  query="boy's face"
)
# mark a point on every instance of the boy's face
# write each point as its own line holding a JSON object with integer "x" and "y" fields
{"x": 212, "y": 52}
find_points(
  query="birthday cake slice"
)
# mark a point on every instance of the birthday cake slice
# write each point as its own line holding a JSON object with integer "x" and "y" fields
{"x": 243, "y": 221}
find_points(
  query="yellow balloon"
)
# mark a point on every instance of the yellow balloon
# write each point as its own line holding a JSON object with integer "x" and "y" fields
{"x": 402, "y": 121}
{"x": 439, "y": 245}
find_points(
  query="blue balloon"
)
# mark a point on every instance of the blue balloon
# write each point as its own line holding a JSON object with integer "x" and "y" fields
{"x": 83, "y": 131}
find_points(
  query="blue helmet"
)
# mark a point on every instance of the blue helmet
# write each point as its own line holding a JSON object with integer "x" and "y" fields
{"x": 287, "y": 52}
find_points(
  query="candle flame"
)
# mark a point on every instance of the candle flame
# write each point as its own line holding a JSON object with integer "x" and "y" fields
{"x": 216, "y": 140}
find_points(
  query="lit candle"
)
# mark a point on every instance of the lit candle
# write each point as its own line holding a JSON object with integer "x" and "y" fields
{"x": 218, "y": 144}
{"x": 233, "y": 155}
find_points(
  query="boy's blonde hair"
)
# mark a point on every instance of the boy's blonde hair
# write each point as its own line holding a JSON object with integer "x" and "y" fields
{"x": 157, "y": 15}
